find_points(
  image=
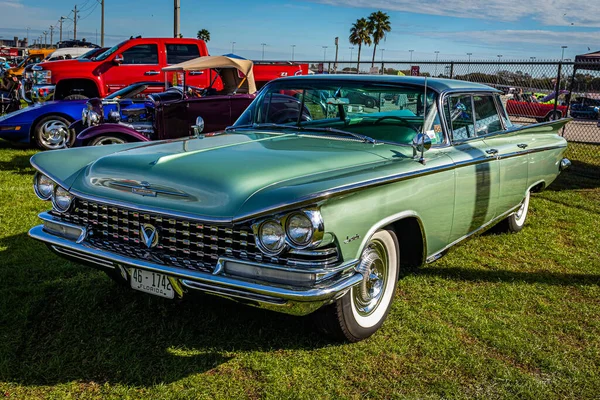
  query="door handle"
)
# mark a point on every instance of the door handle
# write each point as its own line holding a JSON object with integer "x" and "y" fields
{"x": 192, "y": 73}
{"x": 522, "y": 145}
{"x": 151, "y": 73}
{"x": 492, "y": 152}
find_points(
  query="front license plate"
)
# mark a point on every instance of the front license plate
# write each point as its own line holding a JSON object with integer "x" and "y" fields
{"x": 151, "y": 282}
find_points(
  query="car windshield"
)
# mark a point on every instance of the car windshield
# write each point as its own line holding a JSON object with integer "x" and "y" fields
{"x": 131, "y": 91}
{"x": 108, "y": 52}
{"x": 383, "y": 112}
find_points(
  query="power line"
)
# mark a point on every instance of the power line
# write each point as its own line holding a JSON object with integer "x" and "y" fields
{"x": 88, "y": 14}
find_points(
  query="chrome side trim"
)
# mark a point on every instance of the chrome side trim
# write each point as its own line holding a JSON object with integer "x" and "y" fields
{"x": 319, "y": 292}
{"x": 230, "y": 292}
{"x": 438, "y": 254}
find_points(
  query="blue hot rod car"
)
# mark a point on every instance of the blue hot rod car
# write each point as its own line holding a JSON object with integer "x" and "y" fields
{"x": 47, "y": 124}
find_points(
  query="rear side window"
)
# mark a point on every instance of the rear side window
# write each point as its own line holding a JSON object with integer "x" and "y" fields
{"x": 178, "y": 53}
{"x": 459, "y": 114}
{"x": 141, "y": 54}
{"x": 486, "y": 115}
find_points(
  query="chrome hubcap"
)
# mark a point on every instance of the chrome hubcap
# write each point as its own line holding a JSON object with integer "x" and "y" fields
{"x": 374, "y": 268}
{"x": 55, "y": 134}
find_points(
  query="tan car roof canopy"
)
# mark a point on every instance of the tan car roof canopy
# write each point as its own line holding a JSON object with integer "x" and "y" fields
{"x": 221, "y": 63}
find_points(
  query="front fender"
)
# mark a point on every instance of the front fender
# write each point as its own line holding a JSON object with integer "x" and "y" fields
{"x": 109, "y": 129}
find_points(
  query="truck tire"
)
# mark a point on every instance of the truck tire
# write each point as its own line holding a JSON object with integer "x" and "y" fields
{"x": 363, "y": 309}
{"x": 76, "y": 97}
{"x": 52, "y": 132}
{"x": 107, "y": 139}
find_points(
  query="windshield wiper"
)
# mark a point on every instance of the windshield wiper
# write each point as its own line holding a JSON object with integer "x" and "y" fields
{"x": 362, "y": 138}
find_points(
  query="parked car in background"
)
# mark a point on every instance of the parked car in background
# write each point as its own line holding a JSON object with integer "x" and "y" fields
{"x": 585, "y": 107}
{"x": 35, "y": 56}
{"x": 529, "y": 107}
{"x": 174, "y": 113}
{"x": 47, "y": 124}
{"x": 315, "y": 215}
{"x": 132, "y": 61}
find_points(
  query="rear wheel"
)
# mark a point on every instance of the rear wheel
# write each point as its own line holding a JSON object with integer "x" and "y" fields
{"x": 107, "y": 139}
{"x": 515, "y": 222}
{"x": 361, "y": 312}
{"x": 553, "y": 116}
{"x": 52, "y": 132}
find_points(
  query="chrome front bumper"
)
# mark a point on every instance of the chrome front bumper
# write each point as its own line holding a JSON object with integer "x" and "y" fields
{"x": 42, "y": 93}
{"x": 277, "y": 297}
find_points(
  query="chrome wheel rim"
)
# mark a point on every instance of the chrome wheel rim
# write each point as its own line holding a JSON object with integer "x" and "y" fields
{"x": 374, "y": 267}
{"x": 54, "y": 134}
{"x": 107, "y": 141}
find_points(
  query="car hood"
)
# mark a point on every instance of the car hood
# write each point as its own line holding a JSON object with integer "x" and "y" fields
{"x": 220, "y": 177}
{"x": 37, "y": 108}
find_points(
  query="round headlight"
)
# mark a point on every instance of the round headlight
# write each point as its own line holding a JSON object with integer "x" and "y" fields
{"x": 271, "y": 236}
{"x": 94, "y": 117}
{"x": 61, "y": 200}
{"x": 43, "y": 186}
{"x": 299, "y": 229}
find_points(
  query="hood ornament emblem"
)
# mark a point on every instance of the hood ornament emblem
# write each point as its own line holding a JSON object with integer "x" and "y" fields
{"x": 149, "y": 235}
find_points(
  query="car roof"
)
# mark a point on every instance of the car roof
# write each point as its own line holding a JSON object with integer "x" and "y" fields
{"x": 437, "y": 84}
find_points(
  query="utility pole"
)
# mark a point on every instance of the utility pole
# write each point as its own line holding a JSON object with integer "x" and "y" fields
{"x": 469, "y": 64}
{"x": 336, "y": 55}
{"x": 27, "y": 28}
{"x": 177, "y": 8}
{"x": 437, "y": 53}
{"x": 232, "y": 47}
{"x": 411, "y": 51}
{"x": 263, "y": 50}
{"x": 75, "y": 23}
{"x": 324, "y": 52}
{"x": 562, "y": 56}
{"x": 293, "y": 48}
{"x": 60, "y": 22}
{"x": 51, "y": 35}
{"x": 102, "y": 24}
{"x": 45, "y": 39}
{"x": 351, "y": 48}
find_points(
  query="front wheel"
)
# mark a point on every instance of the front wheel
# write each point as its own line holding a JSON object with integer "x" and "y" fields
{"x": 361, "y": 312}
{"x": 52, "y": 132}
{"x": 106, "y": 140}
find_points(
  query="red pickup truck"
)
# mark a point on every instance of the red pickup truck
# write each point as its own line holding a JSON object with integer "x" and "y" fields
{"x": 133, "y": 61}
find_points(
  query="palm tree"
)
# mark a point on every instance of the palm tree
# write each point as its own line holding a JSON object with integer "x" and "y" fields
{"x": 379, "y": 25}
{"x": 203, "y": 34}
{"x": 360, "y": 33}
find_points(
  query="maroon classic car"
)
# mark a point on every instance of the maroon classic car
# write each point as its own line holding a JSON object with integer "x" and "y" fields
{"x": 174, "y": 113}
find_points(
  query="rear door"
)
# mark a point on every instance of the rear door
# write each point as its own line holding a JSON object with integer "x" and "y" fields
{"x": 511, "y": 151}
{"x": 141, "y": 62}
{"x": 177, "y": 53}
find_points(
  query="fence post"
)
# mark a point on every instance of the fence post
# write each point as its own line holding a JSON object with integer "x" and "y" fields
{"x": 382, "y": 68}
{"x": 557, "y": 87}
{"x": 451, "y": 69}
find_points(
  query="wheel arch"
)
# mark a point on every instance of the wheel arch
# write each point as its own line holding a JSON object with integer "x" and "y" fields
{"x": 408, "y": 227}
{"x": 88, "y": 85}
{"x": 549, "y": 114}
{"x": 39, "y": 118}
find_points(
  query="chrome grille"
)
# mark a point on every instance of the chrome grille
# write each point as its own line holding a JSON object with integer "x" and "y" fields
{"x": 181, "y": 243}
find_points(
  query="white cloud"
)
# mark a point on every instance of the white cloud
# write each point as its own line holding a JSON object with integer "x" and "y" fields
{"x": 531, "y": 37}
{"x": 547, "y": 12}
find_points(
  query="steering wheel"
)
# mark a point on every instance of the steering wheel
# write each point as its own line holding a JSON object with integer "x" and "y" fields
{"x": 286, "y": 116}
{"x": 402, "y": 120}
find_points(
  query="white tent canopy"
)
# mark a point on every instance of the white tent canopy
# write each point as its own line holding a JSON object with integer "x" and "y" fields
{"x": 219, "y": 62}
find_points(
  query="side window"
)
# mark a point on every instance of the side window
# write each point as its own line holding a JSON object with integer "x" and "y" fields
{"x": 178, "y": 53}
{"x": 141, "y": 54}
{"x": 459, "y": 114}
{"x": 503, "y": 115}
{"x": 486, "y": 115}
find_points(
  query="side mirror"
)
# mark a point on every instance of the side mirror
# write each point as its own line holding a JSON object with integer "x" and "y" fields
{"x": 118, "y": 59}
{"x": 199, "y": 127}
{"x": 420, "y": 144}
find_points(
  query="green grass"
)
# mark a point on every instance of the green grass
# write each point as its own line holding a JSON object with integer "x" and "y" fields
{"x": 501, "y": 316}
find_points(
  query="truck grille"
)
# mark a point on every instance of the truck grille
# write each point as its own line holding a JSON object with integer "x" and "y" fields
{"x": 181, "y": 243}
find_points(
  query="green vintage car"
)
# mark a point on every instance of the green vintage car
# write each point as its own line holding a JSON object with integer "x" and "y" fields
{"x": 309, "y": 203}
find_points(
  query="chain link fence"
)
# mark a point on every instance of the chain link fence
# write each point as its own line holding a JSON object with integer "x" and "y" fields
{"x": 533, "y": 91}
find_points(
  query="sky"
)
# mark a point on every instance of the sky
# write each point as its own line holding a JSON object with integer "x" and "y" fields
{"x": 515, "y": 29}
